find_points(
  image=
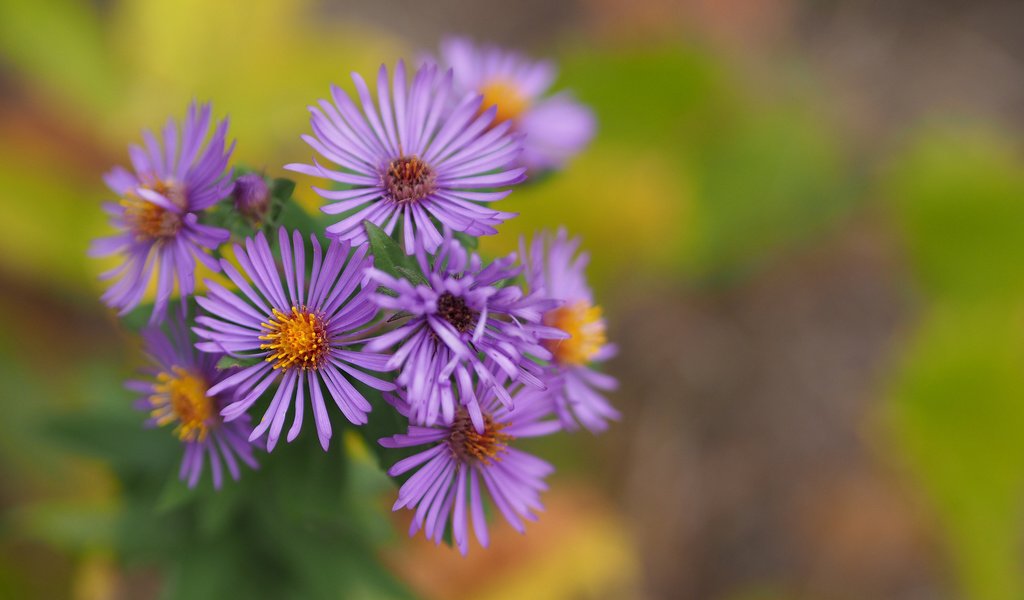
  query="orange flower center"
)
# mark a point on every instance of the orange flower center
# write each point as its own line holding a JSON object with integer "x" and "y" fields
{"x": 511, "y": 102}
{"x": 585, "y": 327}
{"x": 467, "y": 444}
{"x": 181, "y": 397}
{"x": 150, "y": 221}
{"x": 297, "y": 339}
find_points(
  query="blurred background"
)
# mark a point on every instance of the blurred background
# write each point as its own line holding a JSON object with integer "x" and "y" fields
{"x": 806, "y": 221}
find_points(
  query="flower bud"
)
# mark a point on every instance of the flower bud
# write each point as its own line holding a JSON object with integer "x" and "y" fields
{"x": 251, "y": 195}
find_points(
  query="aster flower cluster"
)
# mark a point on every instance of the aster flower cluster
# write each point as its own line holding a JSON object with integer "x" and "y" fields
{"x": 383, "y": 304}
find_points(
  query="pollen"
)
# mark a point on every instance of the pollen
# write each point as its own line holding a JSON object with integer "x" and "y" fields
{"x": 454, "y": 310}
{"x": 586, "y": 331}
{"x": 467, "y": 444}
{"x": 508, "y": 97}
{"x": 408, "y": 179}
{"x": 297, "y": 340}
{"x": 180, "y": 396}
{"x": 150, "y": 221}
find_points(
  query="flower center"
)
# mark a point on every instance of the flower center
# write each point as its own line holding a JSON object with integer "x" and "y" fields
{"x": 150, "y": 221}
{"x": 409, "y": 179}
{"x": 454, "y": 310}
{"x": 585, "y": 327}
{"x": 181, "y": 396}
{"x": 298, "y": 339}
{"x": 511, "y": 102}
{"x": 467, "y": 444}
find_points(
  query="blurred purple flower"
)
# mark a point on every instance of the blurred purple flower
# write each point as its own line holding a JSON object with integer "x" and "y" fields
{"x": 461, "y": 313}
{"x": 411, "y": 158}
{"x": 460, "y": 455}
{"x": 302, "y": 334}
{"x": 160, "y": 234}
{"x": 178, "y": 392}
{"x": 556, "y": 126}
{"x": 554, "y": 270}
{"x": 251, "y": 195}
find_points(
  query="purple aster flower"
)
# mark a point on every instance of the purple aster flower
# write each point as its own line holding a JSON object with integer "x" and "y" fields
{"x": 460, "y": 456}
{"x": 412, "y": 158}
{"x": 462, "y": 313}
{"x": 305, "y": 334}
{"x": 556, "y": 127}
{"x": 158, "y": 216}
{"x": 555, "y": 271}
{"x": 177, "y": 392}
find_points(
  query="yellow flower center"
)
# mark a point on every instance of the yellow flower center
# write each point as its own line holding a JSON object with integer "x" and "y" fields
{"x": 585, "y": 327}
{"x": 150, "y": 221}
{"x": 181, "y": 396}
{"x": 507, "y": 96}
{"x": 298, "y": 339}
{"x": 467, "y": 444}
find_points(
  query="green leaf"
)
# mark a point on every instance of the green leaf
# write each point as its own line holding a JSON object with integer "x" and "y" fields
{"x": 219, "y": 508}
{"x": 387, "y": 291}
{"x": 282, "y": 189}
{"x": 501, "y": 283}
{"x": 413, "y": 275}
{"x": 138, "y": 318}
{"x": 389, "y": 257}
{"x": 954, "y": 195}
{"x": 73, "y": 525}
{"x": 227, "y": 362}
{"x": 468, "y": 242}
{"x": 224, "y": 215}
{"x": 118, "y": 438}
{"x": 175, "y": 495}
{"x": 280, "y": 194}
{"x": 291, "y": 216}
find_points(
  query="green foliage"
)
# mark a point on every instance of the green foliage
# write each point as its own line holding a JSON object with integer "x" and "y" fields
{"x": 958, "y": 197}
{"x": 956, "y": 404}
{"x": 766, "y": 179}
{"x": 85, "y": 74}
{"x": 227, "y": 362}
{"x": 389, "y": 257}
{"x": 469, "y": 242}
{"x": 307, "y": 519}
{"x": 703, "y": 175}
{"x": 280, "y": 210}
{"x": 655, "y": 95}
{"x": 304, "y": 525}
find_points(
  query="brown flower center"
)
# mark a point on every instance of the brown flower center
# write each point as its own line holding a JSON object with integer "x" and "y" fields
{"x": 467, "y": 444}
{"x": 409, "y": 179}
{"x": 454, "y": 310}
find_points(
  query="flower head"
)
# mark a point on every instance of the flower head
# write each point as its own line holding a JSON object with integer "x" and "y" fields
{"x": 411, "y": 158}
{"x": 460, "y": 456}
{"x": 555, "y": 127}
{"x": 251, "y": 195}
{"x": 177, "y": 393}
{"x": 461, "y": 316}
{"x": 555, "y": 271}
{"x": 304, "y": 334}
{"x": 158, "y": 214}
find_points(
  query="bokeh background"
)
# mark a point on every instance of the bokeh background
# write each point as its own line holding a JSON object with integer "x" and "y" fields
{"x": 806, "y": 220}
